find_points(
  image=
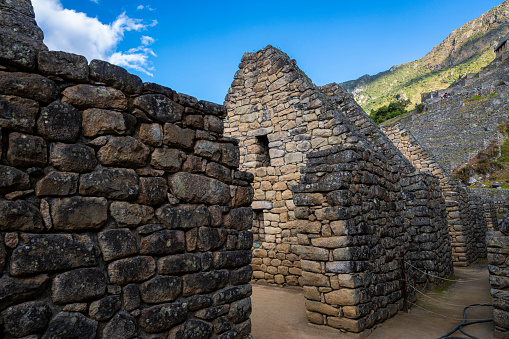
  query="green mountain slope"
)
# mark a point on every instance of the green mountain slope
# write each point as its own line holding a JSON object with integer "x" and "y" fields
{"x": 465, "y": 50}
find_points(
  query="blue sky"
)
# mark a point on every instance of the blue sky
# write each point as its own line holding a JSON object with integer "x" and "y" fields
{"x": 195, "y": 47}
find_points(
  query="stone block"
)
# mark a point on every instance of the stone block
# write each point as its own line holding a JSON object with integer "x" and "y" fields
{"x": 193, "y": 188}
{"x": 213, "y": 124}
{"x": 30, "y": 86}
{"x": 19, "y": 215}
{"x": 314, "y": 279}
{"x": 105, "y": 308}
{"x": 241, "y": 276}
{"x": 347, "y": 297}
{"x": 57, "y": 183}
{"x": 313, "y": 253}
{"x": 26, "y": 151}
{"x": 151, "y": 134}
{"x": 78, "y": 285}
{"x": 219, "y": 172}
{"x": 64, "y": 65}
{"x": 163, "y": 317}
{"x": 239, "y": 219}
{"x": 161, "y": 289}
{"x": 17, "y": 290}
{"x": 346, "y": 324}
{"x": 184, "y": 216}
{"x": 28, "y": 318}
{"x": 178, "y": 137}
{"x": 136, "y": 269}
{"x": 18, "y": 114}
{"x": 208, "y": 150}
{"x": 166, "y": 159}
{"x": 153, "y": 190}
{"x": 204, "y": 282}
{"x": 163, "y": 242}
{"x": 240, "y": 310}
{"x": 73, "y": 158}
{"x": 322, "y": 308}
{"x": 121, "y": 326}
{"x": 71, "y": 325}
{"x": 54, "y": 252}
{"x": 230, "y": 155}
{"x": 117, "y": 243}
{"x": 130, "y": 215}
{"x": 79, "y": 213}
{"x": 210, "y": 238}
{"x": 195, "y": 329}
{"x": 115, "y": 76}
{"x": 159, "y": 107}
{"x": 123, "y": 152}
{"x": 114, "y": 183}
{"x": 332, "y": 242}
{"x": 131, "y": 296}
{"x": 87, "y": 96}
{"x": 232, "y": 259}
{"x": 101, "y": 121}
{"x": 59, "y": 122}
{"x": 179, "y": 263}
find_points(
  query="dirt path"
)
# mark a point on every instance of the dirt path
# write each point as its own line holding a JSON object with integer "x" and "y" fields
{"x": 279, "y": 312}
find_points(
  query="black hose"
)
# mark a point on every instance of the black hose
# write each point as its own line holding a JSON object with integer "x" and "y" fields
{"x": 465, "y": 323}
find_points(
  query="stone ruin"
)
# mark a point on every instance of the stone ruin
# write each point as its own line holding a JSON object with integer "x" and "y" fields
{"x": 123, "y": 212}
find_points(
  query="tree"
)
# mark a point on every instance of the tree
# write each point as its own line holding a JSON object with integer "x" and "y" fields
{"x": 390, "y": 111}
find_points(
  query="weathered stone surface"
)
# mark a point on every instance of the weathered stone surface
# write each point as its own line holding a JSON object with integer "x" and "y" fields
{"x": 178, "y": 137}
{"x": 191, "y": 329}
{"x": 197, "y": 302}
{"x": 137, "y": 269}
{"x": 208, "y": 150}
{"x": 115, "y": 76}
{"x": 16, "y": 290}
{"x": 159, "y": 107}
{"x": 241, "y": 276}
{"x": 214, "y": 124}
{"x": 124, "y": 152}
{"x": 161, "y": 289}
{"x": 30, "y": 86}
{"x": 59, "y": 122}
{"x": 151, "y": 134}
{"x": 105, "y": 308}
{"x": 244, "y": 196}
{"x": 18, "y": 114}
{"x": 117, "y": 243}
{"x": 71, "y": 325}
{"x": 130, "y": 215}
{"x": 57, "y": 183}
{"x": 163, "y": 242}
{"x": 163, "y": 317}
{"x": 115, "y": 183}
{"x": 179, "y": 263}
{"x": 153, "y": 190}
{"x": 73, "y": 157}
{"x": 230, "y": 155}
{"x": 131, "y": 295}
{"x": 79, "y": 213}
{"x": 62, "y": 64}
{"x": 232, "y": 259}
{"x": 183, "y": 216}
{"x": 239, "y": 219}
{"x": 87, "y": 96}
{"x": 26, "y": 151}
{"x": 227, "y": 296}
{"x": 240, "y": 310}
{"x": 76, "y": 307}
{"x": 205, "y": 282}
{"x": 213, "y": 312}
{"x": 20, "y": 216}
{"x": 78, "y": 285}
{"x": 167, "y": 159}
{"x": 19, "y": 50}
{"x": 121, "y": 326}
{"x": 193, "y": 188}
{"x": 210, "y": 238}
{"x": 27, "y": 318}
{"x": 101, "y": 121}
{"x": 12, "y": 179}
{"x": 44, "y": 253}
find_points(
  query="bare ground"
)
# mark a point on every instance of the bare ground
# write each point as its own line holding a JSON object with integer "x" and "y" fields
{"x": 280, "y": 313}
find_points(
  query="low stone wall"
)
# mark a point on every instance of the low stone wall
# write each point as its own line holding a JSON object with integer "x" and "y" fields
{"x": 500, "y": 198}
{"x": 122, "y": 210}
{"x": 498, "y": 259}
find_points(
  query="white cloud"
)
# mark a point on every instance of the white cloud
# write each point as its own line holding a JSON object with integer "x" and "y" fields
{"x": 96, "y": 1}
{"x": 147, "y": 40}
{"x": 75, "y": 32}
{"x": 140, "y": 7}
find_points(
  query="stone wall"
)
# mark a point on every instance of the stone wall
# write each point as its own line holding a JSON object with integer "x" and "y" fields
{"x": 122, "y": 210}
{"x": 500, "y": 198}
{"x": 498, "y": 260}
{"x": 347, "y": 219}
{"x": 466, "y": 215}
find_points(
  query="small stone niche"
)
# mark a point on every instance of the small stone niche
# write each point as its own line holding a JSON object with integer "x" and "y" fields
{"x": 263, "y": 158}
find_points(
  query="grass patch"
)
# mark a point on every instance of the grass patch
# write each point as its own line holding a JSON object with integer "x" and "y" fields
{"x": 446, "y": 284}
{"x": 478, "y": 97}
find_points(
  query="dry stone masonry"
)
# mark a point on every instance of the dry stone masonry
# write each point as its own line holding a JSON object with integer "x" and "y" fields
{"x": 466, "y": 212}
{"x": 122, "y": 210}
{"x": 334, "y": 199}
